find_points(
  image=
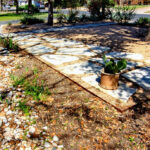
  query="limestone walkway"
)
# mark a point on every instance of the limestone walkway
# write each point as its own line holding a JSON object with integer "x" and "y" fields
{"x": 81, "y": 64}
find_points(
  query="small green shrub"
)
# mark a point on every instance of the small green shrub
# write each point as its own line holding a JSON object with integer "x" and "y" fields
{"x": 29, "y": 20}
{"x": 61, "y": 18}
{"x": 122, "y": 15}
{"x": 114, "y": 67}
{"x": 17, "y": 80}
{"x": 143, "y": 21}
{"x": 84, "y": 18}
{"x": 94, "y": 8}
{"x": 8, "y": 43}
{"x": 33, "y": 89}
{"x": 24, "y": 107}
{"x": 73, "y": 17}
{"x": 34, "y": 9}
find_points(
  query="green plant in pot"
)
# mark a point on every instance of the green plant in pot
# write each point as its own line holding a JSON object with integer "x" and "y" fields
{"x": 111, "y": 72}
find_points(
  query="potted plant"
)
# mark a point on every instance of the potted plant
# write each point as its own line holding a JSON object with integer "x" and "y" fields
{"x": 111, "y": 72}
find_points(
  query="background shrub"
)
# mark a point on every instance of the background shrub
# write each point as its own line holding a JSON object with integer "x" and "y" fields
{"x": 73, "y": 17}
{"x": 61, "y": 18}
{"x": 8, "y": 43}
{"x": 143, "y": 21}
{"x": 34, "y": 9}
{"x": 122, "y": 15}
{"x": 29, "y": 20}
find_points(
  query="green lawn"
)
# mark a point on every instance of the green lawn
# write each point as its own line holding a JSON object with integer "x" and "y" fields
{"x": 138, "y": 6}
{"x": 13, "y": 16}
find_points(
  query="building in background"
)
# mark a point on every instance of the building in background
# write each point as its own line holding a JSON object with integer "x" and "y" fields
{"x": 132, "y": 2}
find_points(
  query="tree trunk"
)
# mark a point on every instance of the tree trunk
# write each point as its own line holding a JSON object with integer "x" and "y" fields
{"x": 29, "y": 6}
{"x": 16, "y": 3}
{"x": 1, "y": 3}
{"x": 103, "y": 9}
{"x": 50, "y": 13}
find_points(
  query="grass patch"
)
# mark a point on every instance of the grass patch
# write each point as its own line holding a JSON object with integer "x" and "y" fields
{"x": 8, "y": 43}
{"x": 22, "y": 106}
{"x": 32, "y": 88}
{"x": 14, "y": 16}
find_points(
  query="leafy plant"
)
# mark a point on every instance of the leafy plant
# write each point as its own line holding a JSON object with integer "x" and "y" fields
{"x": 143, "y": 21}
{"x": 121, "y": 14}
{"x": 72, "y": 17}
{"x": 29, "y": 20}
{"x": 17, "y": 80}
{"x": 84, "y": 18}
{"x": 114, "y": 67}
{"x": 8, "y": 43}
{"x": 24, "y": 107}
{"x": 61, "y": 18}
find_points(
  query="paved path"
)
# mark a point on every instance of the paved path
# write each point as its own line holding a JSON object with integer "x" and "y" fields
{"x": 79, "y": 62}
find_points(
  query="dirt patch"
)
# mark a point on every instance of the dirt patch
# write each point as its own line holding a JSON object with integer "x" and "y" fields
{"x": 117, "y": 37}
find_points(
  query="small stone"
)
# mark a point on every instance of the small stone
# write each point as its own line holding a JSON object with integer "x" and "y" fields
{"x": 31, "y": 129}
{"x": 1, "y": 122}
{"x": 60, "y": 146}
{"x": 45, "y": 128}
{"x": 47, "y": 145}
{"x": 9, "y": 112}
{"x": 55, "y": 138}
{"x": 10, "y": 94}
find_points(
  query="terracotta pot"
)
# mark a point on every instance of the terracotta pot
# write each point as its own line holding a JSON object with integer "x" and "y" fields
{"x": 109, "y": 81}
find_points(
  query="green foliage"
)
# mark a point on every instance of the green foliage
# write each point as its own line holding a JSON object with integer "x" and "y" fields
{"x": 143, "y": 21}
{"x": 29, "y": 20}
{"x": 33, "y": 89}
{"x": 34, "y": 9}
{"x": 24, "y": 107}
{"x": 69, "y": 3}
{"x": 84, "y": 18}
{"x": 61, "y": 18}
{"x": 122, "y": 15}
{"x": 8, "y": 43}
{"x": 17, "y": 80}
{"x": 73, "y": 17}
{"x": 97, "y": 8}
{"x": 114, "y": 67}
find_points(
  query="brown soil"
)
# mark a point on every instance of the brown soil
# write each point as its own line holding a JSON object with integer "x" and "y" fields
{"x": 118, "y": 38}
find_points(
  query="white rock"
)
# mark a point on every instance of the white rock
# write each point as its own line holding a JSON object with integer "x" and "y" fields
{"x": 9, "y": 112}
{"x": 6, "y": 109}
{"x": 10, "y": 94}
{"x": 7, "y": 124}
{"x": 29, "y": 148}
{"x": 47, "y": 145}
{"x": 1, "y": 122}
{"x": 54, "y": 144}
{"x": 18, "y": 122}
{"x": 31, "y": 129}
{"x": 55, "y": 138}
{"x": 60, "y": 146}
{"x": 45, "y": 128}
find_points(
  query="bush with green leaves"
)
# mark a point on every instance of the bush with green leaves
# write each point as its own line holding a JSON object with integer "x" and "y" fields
{"x": 122, "y": 15}
{"x": 72, "y": 17}
{"x": 84, "y": 18}
{"x": 143, "y": 21}
{"x": 34, "y": 9}
{"x": 113, "y": 67}
{"x": 61, "y": 18}
{"x": 97, "y": 8}
{"x": 8, "y": 43}
{"x": 29, "y": 20}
